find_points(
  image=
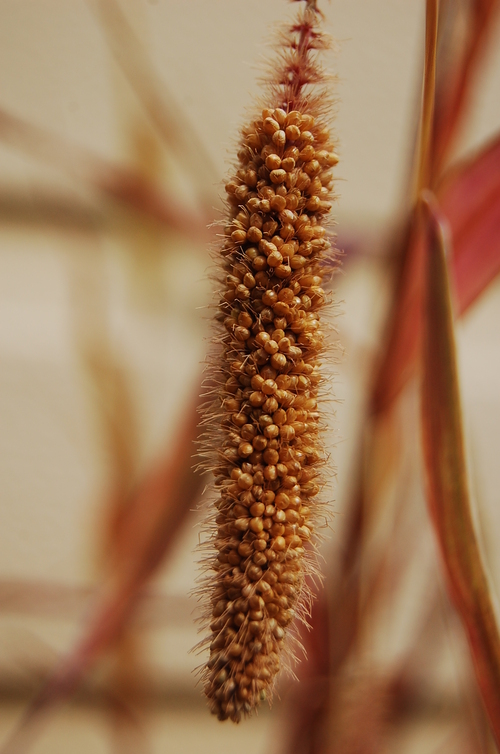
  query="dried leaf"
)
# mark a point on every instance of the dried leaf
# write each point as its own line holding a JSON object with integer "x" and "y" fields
{"x": 445, "y": 466}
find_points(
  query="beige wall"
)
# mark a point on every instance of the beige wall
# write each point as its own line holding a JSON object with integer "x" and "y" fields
{"x": 56, "y": 71}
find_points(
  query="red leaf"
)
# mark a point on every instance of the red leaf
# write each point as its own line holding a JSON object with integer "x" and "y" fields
{"x": 158, "y": 507}
{"x": 445, "y": 465}
{"x": 453, "y": 91}
{"x": 470, "y": 200}
{"x": 469, "y": 196}
{"x": 398, "y": 361}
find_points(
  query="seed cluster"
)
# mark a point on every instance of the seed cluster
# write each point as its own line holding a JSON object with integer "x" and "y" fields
{"x": 272, "y": 257}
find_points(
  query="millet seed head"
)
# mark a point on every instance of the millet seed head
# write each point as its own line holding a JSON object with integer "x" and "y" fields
{"x": 263, "y": 437}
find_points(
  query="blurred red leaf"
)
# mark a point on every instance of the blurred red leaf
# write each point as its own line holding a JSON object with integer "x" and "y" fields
{"x": 469, "y": 195}
{"x": 470, "y": 199}
{"x": 158, "y": 507}
{"x": 445, "y": 465}
{"x": 402, "y": 337}
{"x": 334, "y": 629}
{"x": 400, "y": 353}
{"x": 452, "y": 93}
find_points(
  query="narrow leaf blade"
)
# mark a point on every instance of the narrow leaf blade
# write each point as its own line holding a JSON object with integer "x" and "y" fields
{"x": 469, "y": 197}
{"x": 445, "y": 466}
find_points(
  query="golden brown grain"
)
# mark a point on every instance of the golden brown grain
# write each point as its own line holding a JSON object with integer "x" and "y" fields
{"x": 264, "y": 421}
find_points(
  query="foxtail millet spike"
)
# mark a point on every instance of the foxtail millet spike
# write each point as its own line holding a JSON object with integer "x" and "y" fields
{"x": 263, "y": 434}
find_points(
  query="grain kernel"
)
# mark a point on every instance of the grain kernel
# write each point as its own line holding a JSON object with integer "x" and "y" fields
{"x": 277, "y": 176}
{"x": 245, "y": 481}
{"x": 292, "y": 133}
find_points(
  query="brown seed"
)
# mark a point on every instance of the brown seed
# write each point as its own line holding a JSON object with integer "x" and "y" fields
{"x": 267, "y": 247}
{"x": 271, "y": 347}
{"x": 311, "y": 167}
{"x": 259, "y": 559}
{"x": 278, "y": 361}
{"x": 268, "y": 496}
{"x": 271, "y": 431}
{"x": 270, "y": 405}
{"x": 257, "y": 399}
{"x": 256, "y": 525}
{"x": 254, "y": 572}
{"x": 287, "y": 433}
{"x": 245, "y": 481}
{"x": 250, "y": 178}
{"x": 259, "y": 443}
{"x": 245, "y": 319}
{"x": 270, "y": 125}
{"x": 287, "y": 250}
{"x": 257, "y": 509}
{"x": 282, "y": 500}
{"x": 298, "y": 262}
{"x": 294, "y": 118}
{"x": 254, "y": 234}
{"x": 245, "y": 549}
{"x": 307, "y": 153}
{"x": 239, "y": 236}
{"x": 271, "y": 456}
{"x": 268, "y": 387}
{"x": 274, "y": 259}
{"x": 278, "y": 203}
{"x": 292, "y": 133}
{"x": 273, "y": 162}
{"x": 244, "y": 449}
{"x": 241, "y": 524}
{"x": 259, "y": 263}
{"x": 276, "y": 176}
{"x": 259, "y": 545}
{"x": 239, "y": 619}
{"x": 270, "y": 473}
{"x": 241, "y": 333}
{"x": 278, "y": 544}
{"x": 279, "y": 138}
{"x": 280, "y": 115}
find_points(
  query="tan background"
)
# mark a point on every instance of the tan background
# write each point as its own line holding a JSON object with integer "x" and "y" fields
{"x": 56, "y": 71}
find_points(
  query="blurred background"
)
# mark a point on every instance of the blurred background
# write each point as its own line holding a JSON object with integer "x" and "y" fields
{"x": 117, "y": 124}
